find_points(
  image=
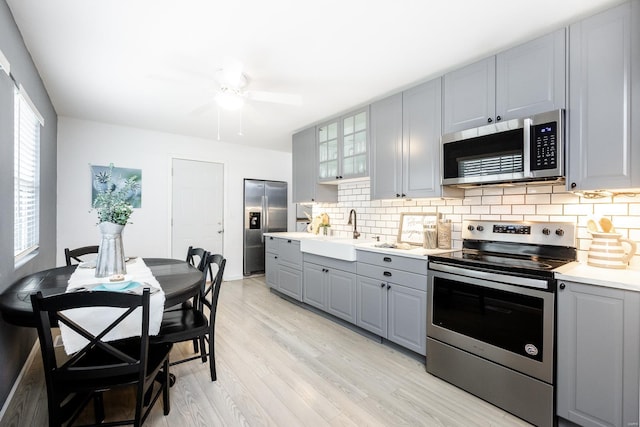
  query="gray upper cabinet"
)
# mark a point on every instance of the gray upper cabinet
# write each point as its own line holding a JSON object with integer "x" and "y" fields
{"x": 306, "y": 188}
{"x": 531, "y": 78}
{"x": 343, "y": 147}
{"x": 405, "y": 144}
{"x": 527, "y": 79}
{"x": 386, "y": 148}
{"x": 604, "y": 100}
{"x": 470, "y": 96}
{"x": 598, "y": 347}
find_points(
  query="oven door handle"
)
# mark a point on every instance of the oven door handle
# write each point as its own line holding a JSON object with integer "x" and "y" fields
{"x": 492, "y": 276}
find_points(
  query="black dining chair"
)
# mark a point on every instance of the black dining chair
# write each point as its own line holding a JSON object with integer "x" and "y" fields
{"x": 196, "y": 257}
{"x": 74, "y": 381}
{"x": 198, "y": 321}
{"x": 72, "y": 255}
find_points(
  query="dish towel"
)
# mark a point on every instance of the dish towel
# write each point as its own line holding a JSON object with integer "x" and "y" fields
{"x": 96, "y": 319}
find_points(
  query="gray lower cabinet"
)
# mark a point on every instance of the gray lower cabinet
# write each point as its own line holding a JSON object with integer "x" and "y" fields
{"x": 306, "y": 188}
{"x": 392, "y": 298}
{"x": 604, "y": 100}
{"x": 525, "y": 80}
{"x": 271, "y": 261}
{"x": 330, "y": 285}
{"x": 283, "y": 266}
{"x": 598, "y": 355}
{"x": 271, "y": 269}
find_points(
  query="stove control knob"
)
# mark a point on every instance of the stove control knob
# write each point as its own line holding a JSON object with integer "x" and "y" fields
{"x": 470, "y": 227}
{"x": 480, "y": 228}
{"x": 546, "y": 231}
{"x": 560, "y": 232}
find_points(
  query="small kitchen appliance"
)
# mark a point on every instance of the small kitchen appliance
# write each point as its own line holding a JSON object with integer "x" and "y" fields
{"x": 529, "y": 149}
{"x": 491, "y": 313}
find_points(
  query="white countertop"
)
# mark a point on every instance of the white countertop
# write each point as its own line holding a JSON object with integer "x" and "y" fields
{"x": 367, "y": 245}
{"x": 627, "y": 279}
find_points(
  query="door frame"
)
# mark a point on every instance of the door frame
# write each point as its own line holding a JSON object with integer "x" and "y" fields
{"x": 173, "y": 157}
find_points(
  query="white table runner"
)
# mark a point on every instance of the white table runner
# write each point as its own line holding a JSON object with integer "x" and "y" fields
{"x": 96, "y": 319}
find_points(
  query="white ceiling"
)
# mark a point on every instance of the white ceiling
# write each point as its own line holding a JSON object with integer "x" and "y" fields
{"x": 151, "y": 63}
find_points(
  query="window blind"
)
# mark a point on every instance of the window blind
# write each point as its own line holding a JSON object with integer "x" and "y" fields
{"x": 26, "y": 176}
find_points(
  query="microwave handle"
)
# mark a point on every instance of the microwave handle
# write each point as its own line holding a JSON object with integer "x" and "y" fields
{"x": 526, "y": 147}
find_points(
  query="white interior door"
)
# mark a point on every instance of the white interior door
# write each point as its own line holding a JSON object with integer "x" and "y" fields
{"x": 197, "y": 206}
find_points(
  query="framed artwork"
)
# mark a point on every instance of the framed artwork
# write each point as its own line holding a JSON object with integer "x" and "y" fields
{"x": 100, "y": 181}
{"x": 411, "y": 229}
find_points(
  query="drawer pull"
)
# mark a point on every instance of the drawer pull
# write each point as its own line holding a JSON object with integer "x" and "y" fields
{"x": 387, "y": 273}
{"x": 386, "y": 259}
{"x": 382, "y": 285}
{"x": 288, "y": 241}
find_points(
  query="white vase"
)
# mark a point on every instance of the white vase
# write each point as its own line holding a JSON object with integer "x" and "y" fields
{"x": 110, "y": 259}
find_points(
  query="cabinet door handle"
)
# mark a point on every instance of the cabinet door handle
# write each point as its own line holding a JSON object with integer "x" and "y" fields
{"x": 397, "y": 195}
{"x": 386, "y": 259}
{"x": 288, "y": 241}
{"x": 498, "y": 118}
{"x": 388, "y": 287}
{"x": 574, "y": 185}
{"x": 275, "y": 257}
{"x": 404, "y": 195}
{"x": 382, "y": 285}
{"x": 562, "y": 286}
{"x": 387, "y": 273}
{"x": 489, "y": 120}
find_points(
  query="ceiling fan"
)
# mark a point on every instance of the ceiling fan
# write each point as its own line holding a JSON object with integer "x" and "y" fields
{"x": 232, "y": 89}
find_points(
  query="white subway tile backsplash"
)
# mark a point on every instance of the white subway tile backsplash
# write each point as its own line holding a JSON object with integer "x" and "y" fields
{"x": 540, "y": 189}
{"x": 479, "y": 210}
{"x": 538, "y": 199}
{"x": 523, "y": 209}
{"x": 491, "y": 200}
{"x": 501, "y": 209}
{"x": 513, "y": 199}
{"x": 549, "y": 209}
{"x": 533, "y": 203}
{"x": 515, "y": 190}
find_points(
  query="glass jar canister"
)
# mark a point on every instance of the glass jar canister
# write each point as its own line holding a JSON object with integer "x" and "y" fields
{"x": 430, "y": 236}
{"x": 444, "y": 234}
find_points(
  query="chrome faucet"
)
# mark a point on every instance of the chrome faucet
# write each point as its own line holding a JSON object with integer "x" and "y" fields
{"x": 354, "y": 217}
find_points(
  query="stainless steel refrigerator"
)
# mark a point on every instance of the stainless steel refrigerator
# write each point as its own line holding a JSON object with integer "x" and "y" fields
{"x": 265, "y": 210}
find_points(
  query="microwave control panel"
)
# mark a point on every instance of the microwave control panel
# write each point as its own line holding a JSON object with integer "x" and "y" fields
{"x": 544, "y": 146}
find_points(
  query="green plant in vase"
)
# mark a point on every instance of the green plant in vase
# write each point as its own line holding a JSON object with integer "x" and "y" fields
{"x": 114, "y": 210}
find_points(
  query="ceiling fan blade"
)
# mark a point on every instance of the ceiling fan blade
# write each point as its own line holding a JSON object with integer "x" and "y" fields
{"x": 275, "y": 97}
{"x": 202, "y": 109}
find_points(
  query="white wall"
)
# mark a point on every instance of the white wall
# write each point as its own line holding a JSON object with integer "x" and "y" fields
{"x": 82, "y": 143}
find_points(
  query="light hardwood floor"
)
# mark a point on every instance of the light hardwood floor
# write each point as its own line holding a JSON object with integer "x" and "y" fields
{"x": 281, "y": 365}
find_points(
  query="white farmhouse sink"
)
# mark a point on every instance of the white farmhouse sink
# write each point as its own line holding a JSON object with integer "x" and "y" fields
{"x": 344, "y": 249}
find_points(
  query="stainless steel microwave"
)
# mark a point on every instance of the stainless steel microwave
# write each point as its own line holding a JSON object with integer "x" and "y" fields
{"x": 519, "y": 150}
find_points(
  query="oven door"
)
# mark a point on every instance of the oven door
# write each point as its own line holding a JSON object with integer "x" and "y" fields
{"x": 508, "y": 324}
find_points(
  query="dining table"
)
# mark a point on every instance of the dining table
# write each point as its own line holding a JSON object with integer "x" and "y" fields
{"x": 179, "y": 280}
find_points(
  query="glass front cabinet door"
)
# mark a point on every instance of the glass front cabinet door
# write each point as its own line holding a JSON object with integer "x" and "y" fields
{"x": 343, "y": 147}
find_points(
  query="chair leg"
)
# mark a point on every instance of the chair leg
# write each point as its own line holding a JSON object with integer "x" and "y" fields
{"x": 195, "y": 345}
{"x": 98, "y": 407}
{"x": 203, "y": 349}
{"x": 212, "y": 360}
{"x": 166, "y": 387}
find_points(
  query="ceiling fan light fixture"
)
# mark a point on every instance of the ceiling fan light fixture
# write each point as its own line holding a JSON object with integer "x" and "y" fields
{"x": 229, "y": 99}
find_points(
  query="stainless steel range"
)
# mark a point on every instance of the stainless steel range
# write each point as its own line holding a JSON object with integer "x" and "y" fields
{"x": 491, "y": 313}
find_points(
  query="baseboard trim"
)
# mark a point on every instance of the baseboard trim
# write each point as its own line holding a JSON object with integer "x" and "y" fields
{"x": 35, "y": 350}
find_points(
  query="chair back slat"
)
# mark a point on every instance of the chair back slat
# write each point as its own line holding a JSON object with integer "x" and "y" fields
{"x": 72, "y": 255}
{"x": 98, "y": 359}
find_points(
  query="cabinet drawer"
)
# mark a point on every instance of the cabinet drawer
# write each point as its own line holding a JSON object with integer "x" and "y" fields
{"x": 411, "y": 265}
{"x": 289, "y": 252}
{"x": 332, "y": 263}
{"x": 271, "y": 245}
{"x": 408, "y": 279}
